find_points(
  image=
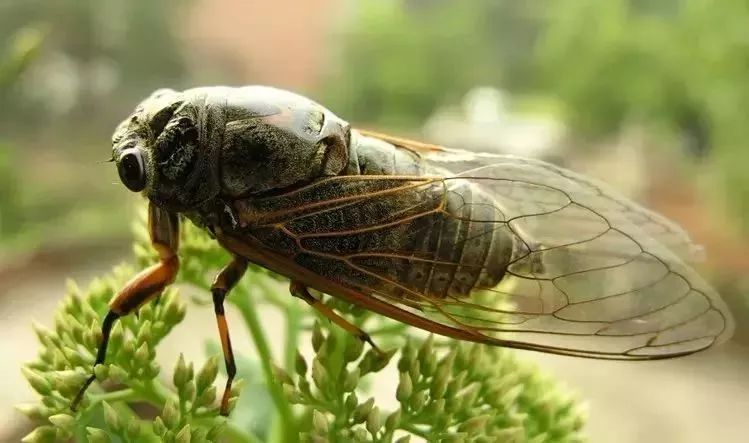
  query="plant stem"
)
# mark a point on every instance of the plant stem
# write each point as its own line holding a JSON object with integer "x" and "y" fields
{"x": 293, "y": 324}
{"x": 121, "y": 395}
{"x": 244, "y": 303}
{"x": 414, "y": 430}
{"x": 293, "y": 321}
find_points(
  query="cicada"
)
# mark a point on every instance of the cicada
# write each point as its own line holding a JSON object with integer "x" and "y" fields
{"x": 486, "y": 248}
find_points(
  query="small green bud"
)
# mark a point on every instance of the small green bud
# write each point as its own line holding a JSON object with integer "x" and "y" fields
{"x": 319, "y": 422}
{"x": 236, "y": 387}
{"x": 146, "y": 313}
{"x": 300, "y": 364}
{"x": 351, "y": 380}
{"x": 291, "y": 394}
{"x": 426, "y": 351}
{"x": 436, "y": 407}
{"x": 407, "y": 357}
{"x": 439, "y": 385}
{"x": 142, "y": 355}
{"x": 319, "y": 374}
{"x": 199, "y": 435}
{"x": 144, "y": 332}
{"x": 456, "y": 384}
{"x": 393, "y": 420}
{"x": 405, "y": 388}
{"x": 304, "y": 387}
{"x": 476, "y": 354}
{"x": 158, "y": 426}
{"x": 281, "y": 375}
{"x": 46, "y": 355}
{"x": 133, "y": 429}
{"x": 42, "y": 434}
{"x": 117, "y": 374}
{"x": 373, "y": 361}
{"x": 116, "y": 338}
{"x": 474, "y": 425}
{"x": 231, "y": 404}
{"x": 374, "y": 422}
{"x": 513, "y": 434}
{"x": 101, "y": 372}
{"x": 182, "y": 374}
{"x": 50, "y": 402}
{"x": 174, "y": 313}
{"x": 96, "y": 435}
{"x": 317, "y": 337}
{"x": 207, "y": 374}
{"x": 43, "y": 334}
{"x": 382, "y": 360}
{"x": 207, "y": 397}
{"x": 215, "y": 432}
{"x": 152, "y": 370}
{"x": 33, "y": 411}
{"x": 351, "y": 401}
{"x": 511, "y": 396}
{"x": 111, "y": 418}
{"x": 73, "y": 356}
{"x": 183, "y": 436}
{"x": 468, "y": 397}
{"x": 328, "y": 346}
{"x": 37, "y": 381}
{"x": 362, "y": 411}
{"x": 418, "y": 400}
{"x": 63, "y": 421}
{"x": 353, "y": 350}
{"x": 454, "y": 438}
{"x": 415, "y": 370}
{"x": 127, "y": 351}
{"x": 170, "y": 414}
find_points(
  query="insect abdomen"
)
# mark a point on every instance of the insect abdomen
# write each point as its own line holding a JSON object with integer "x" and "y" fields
{"x": 388, "y": 226}
{"x": 462, "y": 245}
{"x": 465, "y": 244}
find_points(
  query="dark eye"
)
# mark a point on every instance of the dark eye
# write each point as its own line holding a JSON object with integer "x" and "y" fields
{"x": 132, "y": 170}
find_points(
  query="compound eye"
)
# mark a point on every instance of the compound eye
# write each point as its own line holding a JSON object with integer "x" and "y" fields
{"x": 132, "y": 170}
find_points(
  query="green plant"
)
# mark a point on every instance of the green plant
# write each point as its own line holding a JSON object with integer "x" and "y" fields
{"x": 445, "y": 392}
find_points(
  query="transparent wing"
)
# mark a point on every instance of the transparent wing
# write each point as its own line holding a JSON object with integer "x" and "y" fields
{"x": 590, "y": 273}
{"x": 601, "y": 274}
{"x": 653, "y": 224}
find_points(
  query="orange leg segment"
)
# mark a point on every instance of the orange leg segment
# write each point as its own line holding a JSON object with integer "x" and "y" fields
{"x": 300, "y": 291}
{"x": 164, "y": 232}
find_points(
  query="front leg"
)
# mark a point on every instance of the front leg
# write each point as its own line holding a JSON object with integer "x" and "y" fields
{"x": 163, "y": 228}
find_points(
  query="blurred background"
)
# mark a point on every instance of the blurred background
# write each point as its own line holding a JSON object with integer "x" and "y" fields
{"x": 648, "y": 95}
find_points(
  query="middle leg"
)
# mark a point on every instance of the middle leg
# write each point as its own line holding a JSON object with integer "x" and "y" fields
{"x": 225, "y": 281}
{"x": 300, "y": 291}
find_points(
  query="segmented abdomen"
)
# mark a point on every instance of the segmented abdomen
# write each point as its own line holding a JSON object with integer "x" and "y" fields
{"x": 405, "y": 237}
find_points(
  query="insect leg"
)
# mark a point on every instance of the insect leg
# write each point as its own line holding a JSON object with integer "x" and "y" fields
{"x": 164, "y": 231}
{"x": 299, "y": 290}
{"x": 225, "y": 280}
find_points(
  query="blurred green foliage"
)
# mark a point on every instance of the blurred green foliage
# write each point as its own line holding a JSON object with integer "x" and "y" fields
{"x": 678, "y": 65}
{"x": 70, "y": 70}
{"x": 402, "y": 59}
{"x": 23, "y": 47}
{"x": 96, "y": 52}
